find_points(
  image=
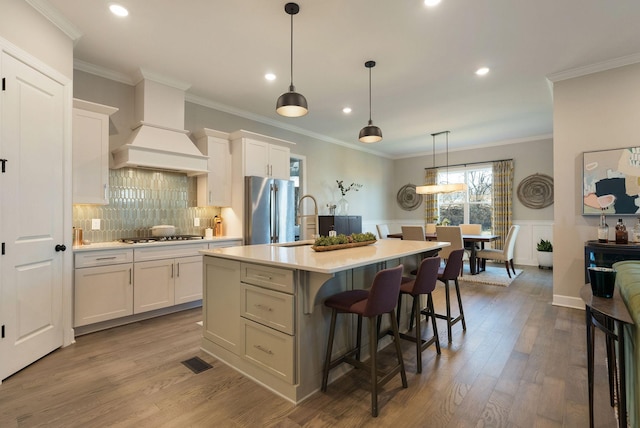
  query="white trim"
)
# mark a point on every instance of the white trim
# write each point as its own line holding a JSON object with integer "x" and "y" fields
{"x": 47, "y": 10}
{"x": 103, "y": 72}
{"x": 568, "y": 302}
{"x": 594, "y": 68}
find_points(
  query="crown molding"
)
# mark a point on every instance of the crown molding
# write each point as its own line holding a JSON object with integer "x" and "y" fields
{"x": 103, "y": 72}
{"x": 594, "y": 68}
{"x": 47, "y": 10}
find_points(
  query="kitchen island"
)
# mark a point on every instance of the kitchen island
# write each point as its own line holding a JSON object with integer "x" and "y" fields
{"x": 263, "y": 311}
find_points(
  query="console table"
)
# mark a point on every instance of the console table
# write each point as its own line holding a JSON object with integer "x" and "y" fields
{"x": 606, "y": 254}
{"x": 609, "y": 315}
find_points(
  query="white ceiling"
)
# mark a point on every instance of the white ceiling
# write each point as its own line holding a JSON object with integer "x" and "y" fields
{"x": 423, "y": 82}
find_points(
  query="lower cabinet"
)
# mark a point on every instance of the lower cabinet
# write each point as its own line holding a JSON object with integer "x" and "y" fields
{"x": 249, "y": 310}
{"x": 103, "y": 286}
{"x": 162, "y": 283}
{"x": 102, "y": 293}
{"x": 221, "y": 318}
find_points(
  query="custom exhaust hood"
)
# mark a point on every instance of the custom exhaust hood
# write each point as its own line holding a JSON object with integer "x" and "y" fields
{"x": 159, "y": 140}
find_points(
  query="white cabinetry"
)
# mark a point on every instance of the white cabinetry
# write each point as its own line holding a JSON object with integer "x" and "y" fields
{"x": 166, "y": 276}
{"x": 103, "y": 286}
{"x": 249, "y": 310}
{"x": 91, "y": 152}
{"x": 259, "y": 155}
{"x": 214, "y": 188}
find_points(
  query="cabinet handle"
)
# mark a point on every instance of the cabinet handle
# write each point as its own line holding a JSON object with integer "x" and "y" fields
{"x": 106, "y": 197}
{"x": 263, "y": 307}
{"x": 266, "y": 277}
{"x": 130, "y": 276}
{"x": 209, "y": 196}
{"x": 171, "y": 271}
{"x": 178, "y": 275}
{"x": 106, "y": 258}
{"x": 265, "y": 350}
{"x": 271, "y": 170}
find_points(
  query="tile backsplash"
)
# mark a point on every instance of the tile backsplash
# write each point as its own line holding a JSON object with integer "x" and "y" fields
{"x": 140, "y": 199}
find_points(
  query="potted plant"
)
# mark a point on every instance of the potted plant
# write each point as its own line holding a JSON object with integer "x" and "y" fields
{"x": 545, "y": 254}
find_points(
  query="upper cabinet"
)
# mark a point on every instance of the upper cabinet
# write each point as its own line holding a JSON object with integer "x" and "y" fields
{"x": 91, "y": 152}
{"x": 260, "y": 155}
{"x": 214, "y": 188}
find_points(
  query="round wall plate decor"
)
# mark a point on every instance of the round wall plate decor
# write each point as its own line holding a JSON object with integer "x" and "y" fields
{"x": 407, "y": 197}
{"x": 536, "y": 191}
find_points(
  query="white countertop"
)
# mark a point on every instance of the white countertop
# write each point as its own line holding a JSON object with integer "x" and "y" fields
{"x": 119, "y": 245}
{"x": 329, "y": 262}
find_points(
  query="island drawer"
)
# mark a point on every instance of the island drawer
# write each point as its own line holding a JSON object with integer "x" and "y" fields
{"x": 270, "y": 350}
{"x": 86, "y": 259}
{"x": 168, "y": 252}
{"x": 267, "y": 276}
{"x": 268, "y": 307}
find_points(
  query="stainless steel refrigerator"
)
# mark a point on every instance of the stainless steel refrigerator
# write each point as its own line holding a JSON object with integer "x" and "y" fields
{"x": 269, "y": 210}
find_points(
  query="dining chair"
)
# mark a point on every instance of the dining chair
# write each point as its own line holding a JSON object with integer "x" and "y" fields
{"x": 453, "y": 235}
{"x": 380, "y": 299}
{"x": 413, "y": 233}
{"x": 505, "y": 255}
{"x": 471, "y": 229}
{"x": 383, "y": 230}
{"x": 430, "y": 228}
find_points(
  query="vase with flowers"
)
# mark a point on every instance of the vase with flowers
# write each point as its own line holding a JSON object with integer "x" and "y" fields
{"x": 343, "y": 205}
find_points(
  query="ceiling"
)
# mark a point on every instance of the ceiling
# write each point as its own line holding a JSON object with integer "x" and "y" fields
{"x": 424, "y": 80}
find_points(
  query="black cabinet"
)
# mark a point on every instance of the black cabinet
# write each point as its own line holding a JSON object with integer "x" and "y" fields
{"x": 345, "y": 224}
{"x": 606, "y": 254}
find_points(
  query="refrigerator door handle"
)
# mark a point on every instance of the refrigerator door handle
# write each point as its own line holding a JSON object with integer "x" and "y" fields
{"x": 275, "y": 222}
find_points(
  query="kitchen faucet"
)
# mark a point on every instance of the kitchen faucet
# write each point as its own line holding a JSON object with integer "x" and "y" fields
{"x": 311, "y": 225}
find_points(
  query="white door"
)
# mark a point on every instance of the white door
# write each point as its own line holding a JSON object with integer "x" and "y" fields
{"x": 31, "y": 215}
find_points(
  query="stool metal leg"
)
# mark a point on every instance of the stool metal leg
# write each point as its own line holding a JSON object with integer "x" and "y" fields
{"x": 461, "y": 317}
{"x": 373, "y": 351}
{"x": 327, "y": 361}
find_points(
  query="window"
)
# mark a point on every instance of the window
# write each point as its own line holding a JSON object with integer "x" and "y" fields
{"x": 473, "y": 206}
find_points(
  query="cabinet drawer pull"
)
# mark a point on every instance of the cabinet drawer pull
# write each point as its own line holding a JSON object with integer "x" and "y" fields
{"x": 265, "y": 350}
{"x": 106, "y": 258}
{"x": 263, "y": 307}
{"x": 267, "y": 277}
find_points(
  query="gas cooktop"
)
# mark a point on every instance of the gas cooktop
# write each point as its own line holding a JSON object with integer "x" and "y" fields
{"x": 144, "y": 240}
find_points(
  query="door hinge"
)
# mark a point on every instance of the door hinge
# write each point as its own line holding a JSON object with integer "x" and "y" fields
{"x": 3, "y": 248}
{"x": 2, "y": 336}
{"x": 3, "y": 162}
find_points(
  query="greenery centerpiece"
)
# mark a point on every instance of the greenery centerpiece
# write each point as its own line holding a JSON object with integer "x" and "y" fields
{"x": 343, "y": 204}
{"x": 328, "y": 243}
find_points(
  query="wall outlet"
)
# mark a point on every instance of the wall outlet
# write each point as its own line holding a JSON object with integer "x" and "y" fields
{"x": 95, "y": 224}
{"x": 196, "y": 221}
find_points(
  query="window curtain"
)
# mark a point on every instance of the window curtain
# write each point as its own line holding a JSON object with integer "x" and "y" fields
{"x": 502, "y": 200}
{"x": 430, "y": 201}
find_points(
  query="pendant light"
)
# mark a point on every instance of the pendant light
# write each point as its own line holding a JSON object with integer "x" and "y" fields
{"x": 292, "y": 104}
{"x": 370, "y": 133}
{"x": 433, "y": 189}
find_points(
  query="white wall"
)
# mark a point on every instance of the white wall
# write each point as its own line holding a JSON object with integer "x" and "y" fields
{"x": 594, "y": 112}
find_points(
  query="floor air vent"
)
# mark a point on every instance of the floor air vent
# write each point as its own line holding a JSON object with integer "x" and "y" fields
{"x": 196, "y": 364}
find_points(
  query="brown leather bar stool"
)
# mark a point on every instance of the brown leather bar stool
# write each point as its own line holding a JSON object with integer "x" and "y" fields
{"x": 380, "y": 299}
{"x": 424, "y": 283}
{"x": 446, "y": 274}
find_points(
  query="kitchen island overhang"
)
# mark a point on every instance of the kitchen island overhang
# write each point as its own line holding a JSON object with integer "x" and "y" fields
{"x": 263, "y": 310}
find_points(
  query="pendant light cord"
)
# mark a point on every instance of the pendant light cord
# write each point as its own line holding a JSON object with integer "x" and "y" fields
{"x": 291, "y": 62}
{"x": 369, "y": 95}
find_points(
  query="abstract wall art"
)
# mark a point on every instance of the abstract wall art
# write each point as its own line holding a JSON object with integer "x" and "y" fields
{"x": 611, "y": 181}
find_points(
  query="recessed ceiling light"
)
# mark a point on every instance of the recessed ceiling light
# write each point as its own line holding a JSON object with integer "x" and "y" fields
{"x": 346, "y": 110}
{"x": 482, "y": 71}
{"x": 118, "y": 10}
{"x": 431, "y": 3}
{"x": 270, "y": 76}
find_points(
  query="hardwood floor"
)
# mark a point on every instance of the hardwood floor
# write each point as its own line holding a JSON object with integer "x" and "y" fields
{"x": 521, "y": 363}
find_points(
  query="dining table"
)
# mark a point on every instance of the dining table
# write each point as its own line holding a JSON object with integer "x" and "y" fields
{"x": 469, "y": 243}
